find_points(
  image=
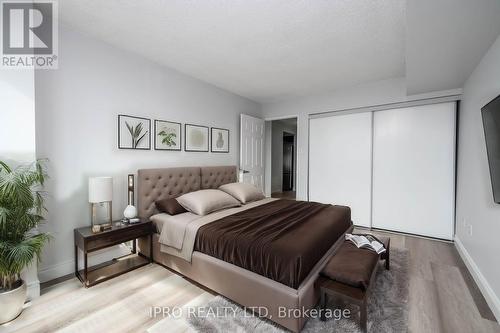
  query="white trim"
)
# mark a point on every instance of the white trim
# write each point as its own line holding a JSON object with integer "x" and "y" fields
{"x": 281, "y": 118}
{"x": 296, "y": 157}
{"x": 390, "y": 106}
{"x": 68, "y": 267}
{"x": 435, "y": 94}
{"x": 488, "y": 293}
{"x": 371, "y": 169}
{"x": 395, "y": 232}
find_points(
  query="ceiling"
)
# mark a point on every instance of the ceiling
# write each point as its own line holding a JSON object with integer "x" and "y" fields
{"x": 264, "y": 50}
{"x": 446, "y": 40}
{"x": 269, "y": 50}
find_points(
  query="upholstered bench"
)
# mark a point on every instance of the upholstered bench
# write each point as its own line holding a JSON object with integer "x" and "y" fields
{"x": 349, "y": 275}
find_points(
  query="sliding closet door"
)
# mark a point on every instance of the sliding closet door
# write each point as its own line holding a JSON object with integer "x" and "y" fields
{"x": 340, "y": 149}
{"x": 414, "y": 170}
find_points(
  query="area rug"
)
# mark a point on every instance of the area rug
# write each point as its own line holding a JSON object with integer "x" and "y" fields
{"x": 387, "y": 308}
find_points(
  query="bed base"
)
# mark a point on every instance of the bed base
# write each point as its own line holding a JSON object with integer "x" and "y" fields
{"x": 245, "y": 287}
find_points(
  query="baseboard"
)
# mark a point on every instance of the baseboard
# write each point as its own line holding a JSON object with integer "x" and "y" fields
{"x": 407, "y": 234}
{"x": 68, "y": 267}
{"x": 488, "y": 293}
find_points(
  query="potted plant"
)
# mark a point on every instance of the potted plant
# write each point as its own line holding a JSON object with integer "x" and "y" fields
{"x": 21, "y": 208}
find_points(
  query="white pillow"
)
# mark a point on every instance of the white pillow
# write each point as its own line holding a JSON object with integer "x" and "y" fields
{"x": 245, "y": 193}
{"x": 204, "y": 202}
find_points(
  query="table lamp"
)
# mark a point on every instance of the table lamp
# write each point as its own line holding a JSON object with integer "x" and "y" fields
{"x": 100, "y": 198}
{"x": 130, "y": 211}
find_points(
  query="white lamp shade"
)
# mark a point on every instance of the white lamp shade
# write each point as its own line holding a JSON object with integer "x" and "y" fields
{"x": 100, "y": 189}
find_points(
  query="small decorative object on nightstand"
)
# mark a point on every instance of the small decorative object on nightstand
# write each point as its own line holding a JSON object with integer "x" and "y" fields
{"x": 88, "y": 242}
{"x": 100, "y": 198}
{"x": 130, "y": 211}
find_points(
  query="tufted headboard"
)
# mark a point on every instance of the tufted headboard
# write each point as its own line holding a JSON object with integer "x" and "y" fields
{"x": 157, "y": 184}
{"x": 213, "y": 177}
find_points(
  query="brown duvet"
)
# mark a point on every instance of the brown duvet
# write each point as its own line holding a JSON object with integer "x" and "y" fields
{"x": 281, "y": 240}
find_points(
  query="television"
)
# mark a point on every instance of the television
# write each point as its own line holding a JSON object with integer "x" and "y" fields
{"x": 491, "y": 125}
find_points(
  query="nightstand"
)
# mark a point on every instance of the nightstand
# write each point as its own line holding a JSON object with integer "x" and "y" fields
{"x": 88, "y": 242}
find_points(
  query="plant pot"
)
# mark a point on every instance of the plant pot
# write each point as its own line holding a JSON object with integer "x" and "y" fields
{"x": 11, "y": 302}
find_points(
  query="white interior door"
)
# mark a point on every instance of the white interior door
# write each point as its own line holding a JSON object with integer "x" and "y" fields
{"x": 340, "y": 163}
{"x": 252, "y": 150}
{"x": 414, "y": 170}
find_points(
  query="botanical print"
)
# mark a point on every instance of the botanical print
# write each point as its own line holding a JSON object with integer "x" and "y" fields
{"x": 167, "y": 135}
{"x": 220, "y": 140}
{"x": 219, "y": 143}
{"x": 196, "y": 138}
{"x": 134, "y": 132}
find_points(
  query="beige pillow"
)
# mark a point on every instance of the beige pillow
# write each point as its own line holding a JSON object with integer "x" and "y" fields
{"x": 245, "y": 193}
{"x": 204, "y": 202}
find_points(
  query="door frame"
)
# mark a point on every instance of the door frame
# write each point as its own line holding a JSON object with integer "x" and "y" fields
{"x": 267, "y": 148}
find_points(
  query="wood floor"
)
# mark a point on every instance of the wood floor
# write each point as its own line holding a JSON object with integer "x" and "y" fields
{"x": 443, "y": 298}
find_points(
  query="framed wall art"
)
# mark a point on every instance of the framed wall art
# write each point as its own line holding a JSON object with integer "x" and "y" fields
{"x": 220, "y": 140}
{"x": 134, "y": 132}
{"x": 167, "y": 135}
{"x": 196, "y": 138}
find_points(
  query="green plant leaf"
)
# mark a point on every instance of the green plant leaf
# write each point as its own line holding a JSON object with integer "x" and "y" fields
{"x": 21, "y": 208}
{"x": 168, "y": 139}
{"x": 5, "y": 167}
{"x": 139, "y": 140}
{"x": 130, "y": 129}
{"x": 4, "y": 214}
{"x": 138, "y": 130}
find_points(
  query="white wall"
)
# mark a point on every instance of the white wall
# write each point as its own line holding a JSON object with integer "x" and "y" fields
{"x": 76, "y": 119}
{"x": 17, "y": 135}
{"x": 475, "y": 206}
{"x": 278, "y": 128}
{"x": 17, "y": 115}
{"x": 366, "y": 95}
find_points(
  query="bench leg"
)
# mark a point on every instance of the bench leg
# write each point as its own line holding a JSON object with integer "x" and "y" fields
{"x": 324, "y": 298}
{"x": 363, "y": 316}
{"x": 387, "y": 256}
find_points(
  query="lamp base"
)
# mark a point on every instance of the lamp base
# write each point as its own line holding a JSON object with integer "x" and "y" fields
{"x": 130, "y": 212}
{"x": 102, "y": 214}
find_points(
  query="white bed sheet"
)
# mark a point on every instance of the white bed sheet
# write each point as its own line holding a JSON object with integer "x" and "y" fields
{"x": 187, "y": 228}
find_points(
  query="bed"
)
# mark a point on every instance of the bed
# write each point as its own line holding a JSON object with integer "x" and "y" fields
{"x": 281, "y": 267}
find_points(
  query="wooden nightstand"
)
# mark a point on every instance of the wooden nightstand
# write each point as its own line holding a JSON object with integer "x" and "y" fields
{"x": 88, "y": 242}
